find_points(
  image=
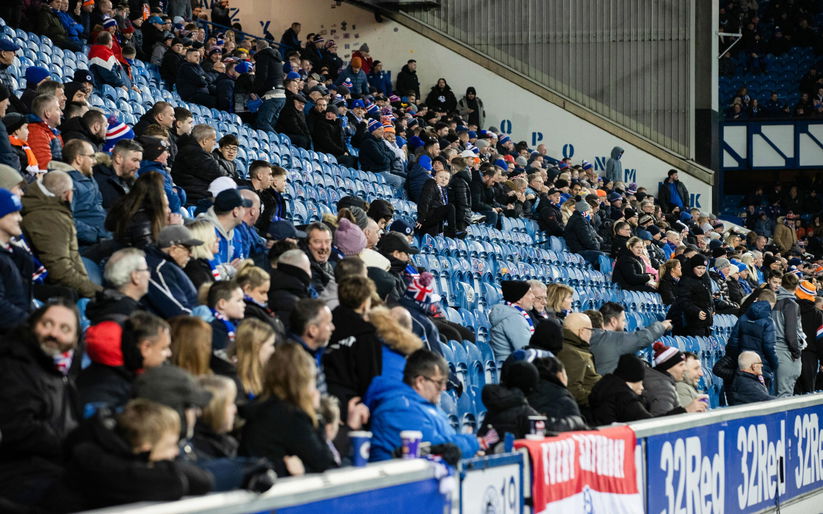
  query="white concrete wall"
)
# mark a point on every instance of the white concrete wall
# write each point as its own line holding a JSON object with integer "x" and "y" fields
{"x": 524, "y": 115}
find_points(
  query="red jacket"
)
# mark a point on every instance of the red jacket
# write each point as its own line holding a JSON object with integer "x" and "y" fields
{"x": 40, "y": 138}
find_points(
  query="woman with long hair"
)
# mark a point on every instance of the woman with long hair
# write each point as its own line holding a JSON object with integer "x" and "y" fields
{"x": 252, "y": 348}
{"x": 136, "y": 219}
{"x": 670, "y": 274}
{"x": 630, "y": 269}
{"x": 558, "y": 301}
{"x": 283, "y": 421}
{"x": 191, "y": 344}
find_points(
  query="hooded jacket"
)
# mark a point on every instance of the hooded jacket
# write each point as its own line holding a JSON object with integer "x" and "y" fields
{"x": 788, "y": 330}
{"x": 107, "y": 381}
{"x": 268, "y": 71}
{"x": 755, "y": 332}
{"x": 694, "y": 295}
{"x": 576, "y": 356}
{"x": 608, "y": 345}
{"x": 510, "y": 330}
{"x": 49, "y": 228}
{"x": 175, "y": 195}
{"x": 441, "y": 99}
{"x": 661, "y": 393}
{"x": 407, "y": 81}
{"x": 394, "y": 407}
{"x": 194, "y": 169}
{"x": 508, "y": 410}
{"x": 613, "y": 401}
{"x": 747, "y": 388}
{"x": 614, "y": 168}
{"x": 664, "y": 195}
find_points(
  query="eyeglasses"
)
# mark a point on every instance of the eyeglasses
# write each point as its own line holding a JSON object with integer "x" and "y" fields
{"x": 439, "y": 383}
{"x": 230, "y": 148}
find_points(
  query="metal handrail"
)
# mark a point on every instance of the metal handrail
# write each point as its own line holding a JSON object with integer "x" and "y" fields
{"x": 224, "y": 28}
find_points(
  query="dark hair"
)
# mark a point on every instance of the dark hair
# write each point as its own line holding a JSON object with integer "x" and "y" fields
{"x": 142, "y": 325}
{"x": 73, "y": 148}
{"x": 159, "y": 106}
{"x": 423, "y": 363}
{"x": 257, "y": 165}
{"x": 126, "y": 145}
{"x": 57, "y": 301}
{"x": 347, "y": 267}
{"x": 277, "y": 171}
{"x": 689, "y": 355}
{"x": 278, "y": 249}
{"x": 773, "y": 273}
{"x": 93, "y": 116}
{"x": 103, "y": 38}
{"x": 181, "y": 113}
{"x": 145, "y": 199}
{"x": 789, "y": 281}
{"x": 548, "y": 367}
{"x": 305, "y": 312}
{"x": 620, "y": 226}
{"x": 220, "y": 290}
{"x": 228, "y": 139}
{"x": 354, "y": 290}
{"x": 596, "y": 318}
{"x": 672, "y": 172}
{"x": 610, "y": 311}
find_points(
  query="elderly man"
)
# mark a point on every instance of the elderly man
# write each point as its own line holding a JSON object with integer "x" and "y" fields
{"x": 511, "y": 325}
{"x": 317, "y": 246}
{"x": 748, "y": 385}
{"x": 195, "y": 167}
{"x": 171, "y": 292}
{"x": 247, "y": 241}
{"x": 290, "y": 282}
{"x": 128, "y": 275}
{"x": 576, "y": 356}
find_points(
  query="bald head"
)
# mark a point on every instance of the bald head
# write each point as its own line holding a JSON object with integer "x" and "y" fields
{"x": 296, "y": 258}
{"x": 402, "y": 316}
{"x": 253, "y": 213}
{"x": 57, "y": 183}
{"x": 579, "y": 324}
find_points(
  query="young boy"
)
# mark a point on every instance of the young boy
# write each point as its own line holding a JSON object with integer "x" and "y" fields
{"x": 129, "y": 459}
{"x": 225, "y": 299}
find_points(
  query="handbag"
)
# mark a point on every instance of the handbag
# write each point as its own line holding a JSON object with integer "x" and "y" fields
{"x": 725, "y": 367}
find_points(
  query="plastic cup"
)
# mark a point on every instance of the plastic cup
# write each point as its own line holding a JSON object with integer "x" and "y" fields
{"x": 361, "y": 447}
{"x": 537, "y": 426}
{"x": 411, "y": 443}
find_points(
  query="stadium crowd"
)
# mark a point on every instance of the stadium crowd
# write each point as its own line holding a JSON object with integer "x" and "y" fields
{"x": 224, "y": 345}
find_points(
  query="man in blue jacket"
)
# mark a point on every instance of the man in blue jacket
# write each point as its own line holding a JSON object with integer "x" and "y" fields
{"x": 412, "y": 405}
{"x": 171, "y": 292}
{"x": 748, "y": 385}
{"x": 755, "y": 332}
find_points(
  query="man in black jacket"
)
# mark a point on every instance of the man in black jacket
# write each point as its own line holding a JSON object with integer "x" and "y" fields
{"x": 549, "y": 216}
{"x": 171, "y": 62}
{"x": 673, "y": 193}
{"x": 327, "y": 134}
{"x": 748, "y": 386}
{"x": 37, "y": 400}
{"x": 128, "y": 274}
{"x": 482, "y": 191}
{"x": 91, "y": 128}
{"x": 407, "y": 81}
{"x": 580, "y": 235}
{"x": 290, "y": 282}
{"x": 268, "y": 85}
{"x": 461, "y": 198}
{"x": 16, "y": 265}
{"x": 116, "y": 180}
{"x": 377, "y": 157}
{"x": 192, "y": 82}
{"x": 292, "y": 121}
{"x": 195, "y": 167}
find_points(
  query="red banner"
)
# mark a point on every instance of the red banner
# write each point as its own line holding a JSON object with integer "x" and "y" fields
{"x": 585, "y": 472}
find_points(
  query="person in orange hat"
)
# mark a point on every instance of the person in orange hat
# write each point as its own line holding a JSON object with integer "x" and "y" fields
{"x": 354, "y": 72}
{"x": 811, "y": 320}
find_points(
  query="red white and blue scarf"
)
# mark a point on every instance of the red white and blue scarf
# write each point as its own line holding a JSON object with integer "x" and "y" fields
{"x": 523, "y": 313}
{"x": 230, "y": 327}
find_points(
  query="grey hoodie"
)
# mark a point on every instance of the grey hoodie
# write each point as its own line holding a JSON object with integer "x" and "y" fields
{"x": 787, "y": 327}
{"x": 608, "y": 346}
{"x": 614, "y": 168}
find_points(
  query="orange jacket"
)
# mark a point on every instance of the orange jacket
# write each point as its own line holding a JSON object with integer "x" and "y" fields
{"x": 40, "y": 138}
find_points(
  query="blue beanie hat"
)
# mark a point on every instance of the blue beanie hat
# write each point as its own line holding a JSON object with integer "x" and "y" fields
{"x": 357, "y": 103}
{"x": 374, "y": 125}
{"x": 36, "y": 74}
{"x": 505, "y": 139}
{"x": 425, "y": 162}
{"x": 9, "y": 202}
{"x": 415, "y": 142}
{"x": 116, "y": 132}
{"x": 243, "y": 67}
{"x": 292, "y": 75}
{"x": 501, "y": 163}
{"x": 587, "y": 165}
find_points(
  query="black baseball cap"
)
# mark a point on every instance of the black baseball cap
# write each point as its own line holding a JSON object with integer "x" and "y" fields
{"x": 282, "y": 229}
{"x": 230, "y": 199}
{"x": 395, "y": 241}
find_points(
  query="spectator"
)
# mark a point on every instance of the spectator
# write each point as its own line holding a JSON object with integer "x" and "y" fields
{"x": 116, "y": 179}
{"x": 380, "y": 79}
{"x": 49, "y": 24}
{"x": 103, "y": 63}
{"x": 226, "y": 215}
{"x": 87, "y": 202}
{"x": 45, "y": 141}
{"x": 327, "y": 134}
{"x": 192, "y": 83}
{"x": 8, "y": 155}
{"x": 471, "y": 108}
{"x": 292, "y": 121}
{"x": 411, "y": 405}
{"x": 289, "y": 41}
{"x": 162, "y": 114}
{"x": 617, "y": 398}
{"x": 577, "y": 358}
{"x": 16, "y": 265}
{"x": 376, "y": 157}
{"x": 789, "y": 337}
{"x": 580, "y": 235}
{"x": 811, "y": 319}
{"x": 201, "y": 268}
{"x": 290, "y": 282}
{"x": 612, "y": 341}
{"x": 225, "y": 300}
{"x": 283, "y": 421}
{"x": 672, "y": 194}
{"x": 195, "y": 167}
{"x": 354, "y": 74}
{"x": 785, "y": 236}
{"x": 127, "y": 273}
{"x": 614, "y": 167}
{"x": 317, "y": 246}
{"x": 191, "y": 345}
{"x": 441, "y": 98}
{"x": 508, "y": 409}
{"x": 407, "y": 82}
{"x": 255, "y": 283}
{"x": 687, "y": 388}
{"x": 17, "y": 126}
{"x": 253, "y": 347}
{"x": 755, "y": 332}
{"x": 50, "y": 229}
{"x": 660, "y": 383}
{"x": 118, "y": 352}
{"x": 748, "y": 386}
{"x": 311, "y": 327}
{"x": 483, "y": 194}
{"x": 38, "y": 405}
{"x": 156, "y": 158}
{"x": 670, "y": 275}
{"x": 511, "y": 325}
{"x": 433, "y": 207}
{"x": 225, "y": 155}
{"x": 35, "y": 77}
{"x": 211, "y": 432}
{"x": 552, "y": 399}
{"x": 694, "y": 299}
{"x": 137, "y": 219}
{"x": 538, "y": 312}
{"x": 171, "y": 293}
{"x": 629, "y": 268}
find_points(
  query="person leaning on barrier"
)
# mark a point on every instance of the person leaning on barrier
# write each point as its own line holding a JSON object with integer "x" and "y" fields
{"x": 748, "y": 385}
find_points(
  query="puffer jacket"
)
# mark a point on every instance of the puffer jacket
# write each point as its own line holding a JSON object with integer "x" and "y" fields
{"x": 551, "y": 399}
{"x": 755, "y": 332}
{"x": 694, "y": 295}
{"x": 87, "y": 209}
{"x": 788, "y": 329}
{"x": 629, "y": 272}
{"x": 747, "y": 388}
{"x": 359, "y": 80}
{"x": 580, "y": 234}
{"x": 461, "y": 197}
{"x": 508, "y": 411}
{"x": 613, "y": 401}
{"x": 175, "y": 195}
{"x": 107, "y": 381}
{"x": 661, "y": 394}
{"x": 48, "y": 225}
{"x": 576, "y": 356}
{"x": 510, "y": 330}
{"x": 194, "y": 169}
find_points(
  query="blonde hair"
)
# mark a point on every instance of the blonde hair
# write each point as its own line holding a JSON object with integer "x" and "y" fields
{"x": 555, "y": 295}
{"x": 329, "y": 411}
{"x": 191, "y": 344}
{"x": 204, "y": 231}
{"x": 287, "y": 376}
{"x": 223, "y": 391}
{"x": 251, "y": 334}
{"x": 146, "y": 422}
{"x": 252, "y": 276}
